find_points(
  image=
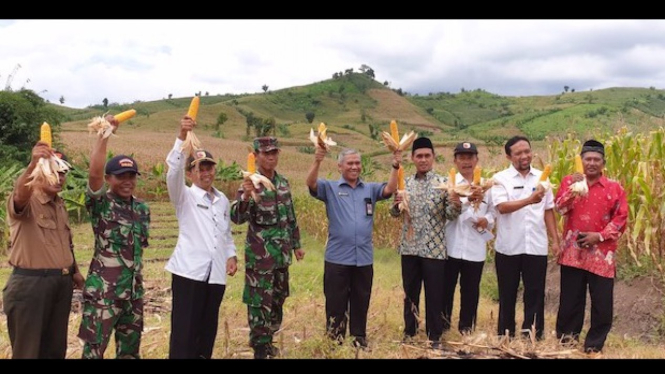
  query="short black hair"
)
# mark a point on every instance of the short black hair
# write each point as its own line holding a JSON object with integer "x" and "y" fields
{"x": 511, "y": 142}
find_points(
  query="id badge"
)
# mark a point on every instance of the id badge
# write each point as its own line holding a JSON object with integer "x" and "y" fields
{"x": 369, "y": 211}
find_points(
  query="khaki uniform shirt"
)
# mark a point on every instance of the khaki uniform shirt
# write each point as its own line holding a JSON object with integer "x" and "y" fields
{"x": 40, "y": 237}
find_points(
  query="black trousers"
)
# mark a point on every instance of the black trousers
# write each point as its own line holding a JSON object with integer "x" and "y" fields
{"x": 572, "y": 304}
{"x": 532, "y": 271}
{"x": 194, "y": 317}
{"x": 37, "y": 309}
{"x": 416, "y": 272}
{"x": 347, "y": 290}
{"x": 469, "y": 274}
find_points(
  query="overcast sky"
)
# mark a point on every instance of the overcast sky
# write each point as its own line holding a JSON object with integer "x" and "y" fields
{"x": 85, "y": 61}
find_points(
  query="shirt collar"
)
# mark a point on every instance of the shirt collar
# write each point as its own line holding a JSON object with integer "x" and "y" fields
{"x": 516, "y": 172}
{"x": 200, "y": 192}
{"x": 44, "y": 198}
{"x": 343, "y": 181}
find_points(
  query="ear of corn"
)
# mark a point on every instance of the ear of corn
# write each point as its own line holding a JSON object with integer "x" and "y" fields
{"x": 393, "y": 131}
{"x": 322, "y": 127}
{"x": 194, "y": 107}
{"x": 251, "y": 163}
{"x": 46, "y": 135}
{"x": 578, "y": 164}
{"x": 124, "y": 116}
{"x": 400, "y": 178}
{"x": 476, "y": 176}
{"x": 451, "y": 176}
{"x": 546, "y": 173}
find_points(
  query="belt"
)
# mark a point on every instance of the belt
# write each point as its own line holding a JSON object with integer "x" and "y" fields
{"x": 44, "y": 272}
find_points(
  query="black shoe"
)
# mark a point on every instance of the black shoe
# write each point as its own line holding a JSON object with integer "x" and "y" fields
{"x": 408, "y": 338}
{"x": 273, "y": 351}
{"x": 360, "y": 342}
{"x": 261, "y": 352}
{"x": 436, "y": 345}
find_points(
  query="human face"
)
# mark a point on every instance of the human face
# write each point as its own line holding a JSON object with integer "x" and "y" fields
{"x": 52, "y": 190}
{"x": 203, "y": 175}
{"x": 267, "y": 161}
{"x": 465, "y": 163}
{"x": 350, "y": 167}
{"x": 423, "y": 158}
{"x": 520, "y": 156}
{"x": 593, "y": 163}
{"x": 123, "y": 184}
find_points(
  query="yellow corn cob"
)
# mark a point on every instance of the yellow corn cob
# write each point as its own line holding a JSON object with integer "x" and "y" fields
{"x": 322, "y": 127}
{"x": 400, "y": 178}
{"x": 476, "y": 176}
{"x": 124, "y": 116}
{"x": 45, "y": 135}
{"x": 451, "y": 176}
{"x": 251, "y": 163}
{"x": 578, "y": 164}
{"x": 393, "y": 131}
{"x": 194, "y": 107}
{"x": 546, "y": 173}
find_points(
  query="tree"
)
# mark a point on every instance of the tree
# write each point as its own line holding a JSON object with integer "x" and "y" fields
{"x": 363, "y": 68}
{"x": 62, "y": 99}
{"x": 105, "y": 102}
{"x": 565, "y": 88}
{"x": 221, "y": 118}
{"x": 265, "y": 88}
{"x": 170, "y": 96}
{"x": 309, "y": 116}
{"x": 21, "y": 116}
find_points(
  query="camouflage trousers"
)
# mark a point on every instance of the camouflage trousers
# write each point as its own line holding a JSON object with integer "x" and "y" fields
{"x": 101, "y": 317}
{"x": 264, "y": 294}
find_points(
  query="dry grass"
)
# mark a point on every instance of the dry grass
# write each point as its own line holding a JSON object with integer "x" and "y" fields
{"x": 302, "y": 333}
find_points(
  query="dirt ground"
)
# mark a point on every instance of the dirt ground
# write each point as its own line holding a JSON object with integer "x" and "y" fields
{"x": 638, "y": 305}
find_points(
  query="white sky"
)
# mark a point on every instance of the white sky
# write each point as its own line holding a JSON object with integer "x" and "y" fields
{"x": 85, "y": 61}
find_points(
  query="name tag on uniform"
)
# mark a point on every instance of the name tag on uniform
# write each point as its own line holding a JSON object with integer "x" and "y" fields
{"x": 201, "y": 206}
{"x": 343, "y": 194}
{"x": 518, "y": 187}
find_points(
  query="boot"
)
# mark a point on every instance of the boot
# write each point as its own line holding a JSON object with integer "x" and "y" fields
{"x": 273, "y": 351}
{"x": 261, "y": 352}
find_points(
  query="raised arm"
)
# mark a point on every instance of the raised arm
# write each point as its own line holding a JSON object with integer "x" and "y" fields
{"x": 313, "y": 174}
{"x": 22, "y": 192}
{"x": 391, "y": 187}
{"x": 98, "y": 158}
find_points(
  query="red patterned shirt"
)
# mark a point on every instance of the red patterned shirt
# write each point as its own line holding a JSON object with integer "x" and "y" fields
{"x": 605, "y": 210}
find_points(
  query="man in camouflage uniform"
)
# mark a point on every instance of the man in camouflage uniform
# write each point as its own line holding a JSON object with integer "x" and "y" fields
{"x": 113, "y": 291}
{"x": 272, "y": 234}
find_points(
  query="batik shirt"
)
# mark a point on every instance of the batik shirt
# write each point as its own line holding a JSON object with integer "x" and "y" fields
{"x": 605, "y": 210}
{"x": 423, "y": 232}
{"x": 120, "y": 228}
{"x": 273, "y": 233}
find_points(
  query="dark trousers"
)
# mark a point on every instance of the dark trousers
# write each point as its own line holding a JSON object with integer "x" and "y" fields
{"x": 416, "y": 272}
{"x": 194, "y": 317}
{"x": 37, "y": 309}
{"x": 572, "y": 304}
{"x": 532, "y": 270}
{"x": 469, "y": 274}
{"x": 347, "y": 290}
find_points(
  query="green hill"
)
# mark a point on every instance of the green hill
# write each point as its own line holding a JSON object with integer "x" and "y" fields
{"x": 364, "y": 107}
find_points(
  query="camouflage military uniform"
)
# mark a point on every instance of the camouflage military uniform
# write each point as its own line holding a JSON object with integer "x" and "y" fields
{"x": 113, "y": 292}
{"x": 272, "y": 236}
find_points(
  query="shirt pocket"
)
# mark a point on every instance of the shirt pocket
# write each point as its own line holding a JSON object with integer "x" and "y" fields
{"x": 49, "y": 230}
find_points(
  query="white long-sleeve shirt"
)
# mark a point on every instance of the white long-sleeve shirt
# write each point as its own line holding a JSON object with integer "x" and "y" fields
{"x": 463, "y": 242}
{"x": 205, "y": 241}
{"x": 522, "y": 231}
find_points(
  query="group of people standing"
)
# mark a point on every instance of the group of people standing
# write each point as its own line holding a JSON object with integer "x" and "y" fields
{"x": 443, "y": 241}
